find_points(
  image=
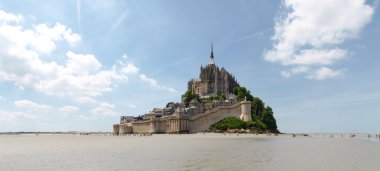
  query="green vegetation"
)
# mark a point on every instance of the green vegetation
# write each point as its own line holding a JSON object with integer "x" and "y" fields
{"x": 209, "y": 100}
{"x": 169, "y": 103}
{"x": 189, "y": 95}
{"x": 268, "y": 118}
{"x": 241, "y": 93}
{"x": 229, "y": 123}
{"x": 236, "y": 123}
{"x": 260, "y": 113}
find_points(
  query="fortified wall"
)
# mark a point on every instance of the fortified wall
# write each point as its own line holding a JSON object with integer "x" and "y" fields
{"x": 215, "y": 101}
{"x": 179, "y": 123}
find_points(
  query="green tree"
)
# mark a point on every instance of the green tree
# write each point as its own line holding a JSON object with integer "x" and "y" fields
{"x": 241, "y": 93}
{"x": 223, "y": 97}
{"x": 268, "y": 119}
{"x": 169, "y": 103}
{"x": 189, "y": 95}
{"x": 257, "y": 108}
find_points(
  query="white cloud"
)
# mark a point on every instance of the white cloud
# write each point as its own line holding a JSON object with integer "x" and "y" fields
{"x": 82, "y": 64}
{"x": 8, "y": 17}
{"x": 21, "y": 49}
{"x": 152, "y": 82}
{"x": 104, "y": 109}
{"x": 44, "y": 38}
{"x": 31, "y": 106}
{"x": 309, "y": 32}
{"x": 7, "y": 116}
{"x": 294, "y": 71}
{"x": 68, "y": 109}
{"x": 130, "y": 69}
{"x": 85, "y": 100}
{"x": 324, "y": 73}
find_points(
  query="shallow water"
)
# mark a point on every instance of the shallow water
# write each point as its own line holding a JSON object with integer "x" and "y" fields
{"x": 186, "y": 152}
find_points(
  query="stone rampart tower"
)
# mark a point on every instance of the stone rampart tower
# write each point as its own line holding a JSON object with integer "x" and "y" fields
{"x": 246, "y": 110}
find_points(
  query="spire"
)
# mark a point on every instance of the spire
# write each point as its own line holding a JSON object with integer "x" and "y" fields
{"x": 212, "y": 55}
{"x": 212, "y": 51}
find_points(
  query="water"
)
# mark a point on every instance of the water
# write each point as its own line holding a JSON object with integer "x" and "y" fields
{"x": 186, "y": 152}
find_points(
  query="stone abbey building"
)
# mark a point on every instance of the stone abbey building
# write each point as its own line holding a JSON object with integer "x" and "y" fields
{"x": 196, "y": 116}
{"x": 212, "y": 80}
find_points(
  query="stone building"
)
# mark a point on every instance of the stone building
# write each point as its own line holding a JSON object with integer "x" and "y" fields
{"x": 212, "y": 80}
{"x": 197, "y": 116}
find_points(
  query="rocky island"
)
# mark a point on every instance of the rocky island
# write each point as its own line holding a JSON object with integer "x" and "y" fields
{"x": 214, "y": 102}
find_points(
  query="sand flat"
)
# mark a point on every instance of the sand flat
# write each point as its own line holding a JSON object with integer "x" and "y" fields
{"x": 186, "y": 152}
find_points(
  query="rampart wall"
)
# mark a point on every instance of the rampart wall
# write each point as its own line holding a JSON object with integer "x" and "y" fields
{"x": 203, "y": 121}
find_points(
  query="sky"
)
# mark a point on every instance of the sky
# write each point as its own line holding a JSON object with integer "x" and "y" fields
{"x": 80, "y": 65}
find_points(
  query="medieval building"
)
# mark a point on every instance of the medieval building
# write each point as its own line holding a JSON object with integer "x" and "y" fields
{"x": 212, "y": 80}
{"x": 196, "y": 116}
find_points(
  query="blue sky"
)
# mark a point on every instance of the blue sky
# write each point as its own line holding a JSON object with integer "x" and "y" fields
{"x": 79, "y": 65}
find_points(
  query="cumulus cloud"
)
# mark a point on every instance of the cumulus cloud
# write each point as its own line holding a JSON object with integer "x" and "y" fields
{"x": 104, "y": 109}
{"x": 8, "y": 17}
{"x": 295, "y": 70}
{"x": 152, "y": 82}
{"x": 7, "y": 116}
{"x": 324, "y": 73}
{"x": 21, "y": 48}
{"x": 82, "y": 64}
{"x": 31, "y": 106}
{"x": 308, "y": 34}
{"x": 68, "y": 109}
{"x": 85, "y": 100}
{"x": 130, "y": 69}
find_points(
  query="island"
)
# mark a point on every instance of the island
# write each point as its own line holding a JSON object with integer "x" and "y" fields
{"x": 214, "y": 102}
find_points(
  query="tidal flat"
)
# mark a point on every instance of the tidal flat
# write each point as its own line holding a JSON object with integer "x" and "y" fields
{"x": 187, "y": 152}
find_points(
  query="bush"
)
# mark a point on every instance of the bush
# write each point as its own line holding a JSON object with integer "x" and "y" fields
{"x": 257, "y": 124}
{"x": 236, "y": 123}
{"x": 229, "y": 123}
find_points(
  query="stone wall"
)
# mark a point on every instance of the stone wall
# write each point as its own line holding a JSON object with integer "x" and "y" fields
{"x": 203, "y": 121}
{"x": 196, "y": 123}
{"x": 125, "y": 129}
{"x": 116, "y": 129}
{"x": 141, "y": 127}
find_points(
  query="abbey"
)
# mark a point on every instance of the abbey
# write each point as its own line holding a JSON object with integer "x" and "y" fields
{"x": 212, "y": 80}
{"x": 196, "y": 115}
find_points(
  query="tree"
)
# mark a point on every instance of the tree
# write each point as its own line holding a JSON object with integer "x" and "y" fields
{"x": 169, "y": 103}
{"x": 268, "y": 119}
{"x": 223, "y": 97}
{"x": 189, "y": 95}
{"x": 242, "y": 93}
{"x": 257, "y": 108}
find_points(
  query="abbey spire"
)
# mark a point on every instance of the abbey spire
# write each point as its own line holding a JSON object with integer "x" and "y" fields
{"x": 212, "y": 56}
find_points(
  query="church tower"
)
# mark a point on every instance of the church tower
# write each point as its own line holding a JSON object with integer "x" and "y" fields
{"x": 212, "y": 80}
{"x": 212, "y": 62}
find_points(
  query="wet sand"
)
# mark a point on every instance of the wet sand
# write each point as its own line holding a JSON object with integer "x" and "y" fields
{"x": 186, "y": 152}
